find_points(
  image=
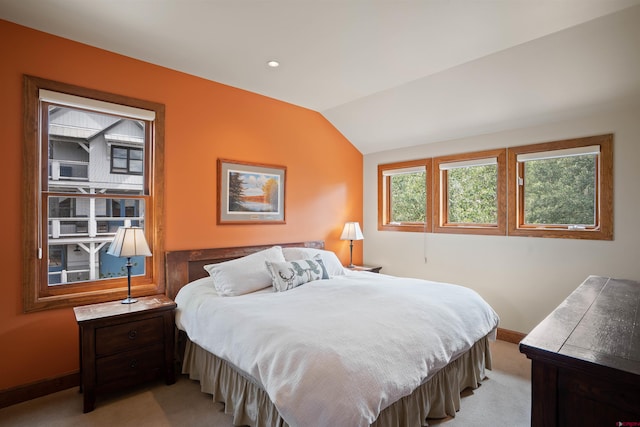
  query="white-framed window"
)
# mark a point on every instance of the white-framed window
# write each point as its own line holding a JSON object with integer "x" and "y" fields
{"x": 562, "y": 189}
{"x": 74, "y": 203}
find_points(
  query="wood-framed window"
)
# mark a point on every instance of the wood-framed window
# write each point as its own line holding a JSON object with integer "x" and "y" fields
{"x": 562, "y": 189}
{"x": 404, "y": 196}
{"x": 72, "y": 209}
{"x": 470, "y": 193}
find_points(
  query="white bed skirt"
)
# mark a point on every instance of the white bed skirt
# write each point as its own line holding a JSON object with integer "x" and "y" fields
{"x": 250, "y": 405}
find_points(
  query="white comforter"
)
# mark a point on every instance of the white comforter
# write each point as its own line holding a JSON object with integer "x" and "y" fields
{"x": 336, "y": 352}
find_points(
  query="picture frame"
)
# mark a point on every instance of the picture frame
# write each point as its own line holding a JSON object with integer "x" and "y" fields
{"x": 250, "y": 193}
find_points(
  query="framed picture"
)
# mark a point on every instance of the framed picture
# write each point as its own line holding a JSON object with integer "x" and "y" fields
{"x": 250, "y": 193}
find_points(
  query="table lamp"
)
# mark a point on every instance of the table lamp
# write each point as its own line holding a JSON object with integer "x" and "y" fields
{"x": 129, "y": 242}
{"x": 351, "y": 232}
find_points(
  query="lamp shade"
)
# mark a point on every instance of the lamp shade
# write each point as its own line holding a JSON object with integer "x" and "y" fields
{"x": 351, "y": 231}
{"x": 129, "y": 242}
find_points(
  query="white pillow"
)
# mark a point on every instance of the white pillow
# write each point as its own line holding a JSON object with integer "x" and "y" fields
{"x": 290, "y": 274}
{"x": 243, "y": 275}
{"x": 330, "y": 259}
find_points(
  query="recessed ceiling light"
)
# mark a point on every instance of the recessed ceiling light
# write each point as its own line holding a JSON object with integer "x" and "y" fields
{"x": 273, "y": 64}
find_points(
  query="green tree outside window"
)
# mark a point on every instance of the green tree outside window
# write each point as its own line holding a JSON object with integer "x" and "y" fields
{"x": 408, "y": 197}
{"x": 560, "y": 191}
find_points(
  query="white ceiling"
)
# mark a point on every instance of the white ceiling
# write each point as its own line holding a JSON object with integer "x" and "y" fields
{"x": 386, "y": 73}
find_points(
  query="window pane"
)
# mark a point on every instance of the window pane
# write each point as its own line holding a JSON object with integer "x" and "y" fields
{"x": 120, "y": 153}
{"x": 79, "y": 145}
{"x": 408, "y": 197}
{"x": 120, "y": 163}
{"x": 472, "y": 195}
{"x": 560, "y": 191}
{"x": 135, "y": 154}
{"x": 135, "y": 166}
{"x": 79, "y": 232}
{"x": 71, "y": 263}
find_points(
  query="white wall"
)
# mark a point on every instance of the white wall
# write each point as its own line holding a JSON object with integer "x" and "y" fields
{"x": 523, "y": 278}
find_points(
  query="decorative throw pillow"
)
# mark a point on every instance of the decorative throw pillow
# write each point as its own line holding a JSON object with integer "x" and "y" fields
{"x": 243, "y": 275}
{"x": 330, "y": 259}
{"x": 290, "y": 274}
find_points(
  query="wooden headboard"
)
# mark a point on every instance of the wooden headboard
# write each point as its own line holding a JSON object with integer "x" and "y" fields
{"x": 186, "y": 266}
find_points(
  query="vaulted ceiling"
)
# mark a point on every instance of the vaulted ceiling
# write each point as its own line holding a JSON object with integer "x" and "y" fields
{"x": 386, "y": 73}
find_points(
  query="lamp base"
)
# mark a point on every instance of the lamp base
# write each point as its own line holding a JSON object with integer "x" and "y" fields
{"x": 129, "y": 300}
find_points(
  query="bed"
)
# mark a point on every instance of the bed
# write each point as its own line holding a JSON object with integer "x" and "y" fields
{"x": 314, "y": 354}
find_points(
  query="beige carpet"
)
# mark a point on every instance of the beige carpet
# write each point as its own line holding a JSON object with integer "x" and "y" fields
{"x": 503, "y": 399}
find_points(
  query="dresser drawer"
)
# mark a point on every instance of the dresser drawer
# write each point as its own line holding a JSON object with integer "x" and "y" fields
{"x": 130, "y": 335}
{"x": 133, "y": 365}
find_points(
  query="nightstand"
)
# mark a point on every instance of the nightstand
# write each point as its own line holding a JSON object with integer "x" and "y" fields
{"x": 125, "y": 344}
{"x": 365, "y": 268}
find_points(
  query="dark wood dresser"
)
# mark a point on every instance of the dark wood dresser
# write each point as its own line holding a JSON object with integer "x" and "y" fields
{"x": 585, "y": 357}
{"x": 125, "y": 344}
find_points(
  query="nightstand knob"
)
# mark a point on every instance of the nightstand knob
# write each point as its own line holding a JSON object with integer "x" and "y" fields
{"x": 133, "y": 334}
{"x": 134, "y": 363}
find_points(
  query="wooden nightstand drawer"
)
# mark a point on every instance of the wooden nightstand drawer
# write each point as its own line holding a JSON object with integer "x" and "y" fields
{"x": 135, "y": 364}
{"x": 113, "y": 339}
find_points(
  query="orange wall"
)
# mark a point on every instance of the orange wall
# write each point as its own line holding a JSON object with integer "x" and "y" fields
{"x": 204, "y": 121}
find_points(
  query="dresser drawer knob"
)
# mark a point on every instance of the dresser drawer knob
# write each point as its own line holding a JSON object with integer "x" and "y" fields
{"x": 133, "y": 364}
{"x": 133, "y": 334}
